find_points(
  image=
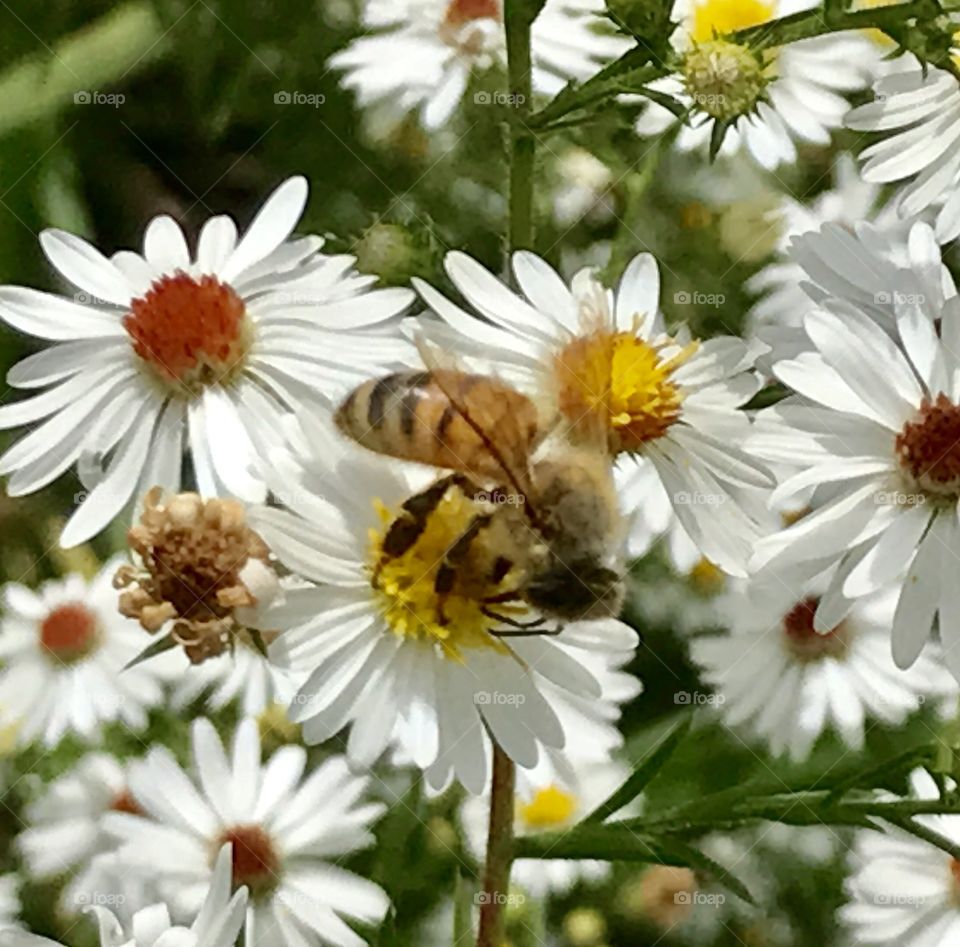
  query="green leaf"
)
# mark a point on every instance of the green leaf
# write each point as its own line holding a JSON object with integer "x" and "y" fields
{"x": 694, "y": 858}
{"x": 719, "y": 132}
{"x": 869, "y": 777}
{"x": 666, "y": 101}
{"x": 166, "y": 643}
{"x": 642, "y": 775}
{"x": 462, "y": 912}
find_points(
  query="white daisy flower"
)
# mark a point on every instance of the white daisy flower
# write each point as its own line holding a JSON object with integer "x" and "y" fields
{"x": 64, "y": 648}
{"x": 605, "y": 357}
{"x": 904, "y": 892}
{"x": 244, "y": 676}
{"x": 419, "y": 54}
{"x": 786, "y": 684}
{"x": 285, "y": 833}
{"x": 917, "y": 111}
{"x": 807, "y": 82}
{"x": 217, "y": 923}
{"x": 777, "y": 317}
{"x": 549, "y": 805}
{"x": 380, "y": 657}
{"x": 9, "y": 901}
{"x": 875, "y": 431}
{"x": 880, "y": 270}
{"x": 64, "y": 834}
{"x": 164, "y": 350}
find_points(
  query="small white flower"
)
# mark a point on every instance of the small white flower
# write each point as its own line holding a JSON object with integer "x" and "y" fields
{"x": 285, "y": 832}
{"x": 163, "y": 351}
{"x": 244, "y": 676}
{"x": 881, "y": 270}
{"x": 217, "y": 923}
{"x": 917, "y": 109}
{"x": 605, "y": 358}
{"x": 851, "y": 204}
{"x": 875, "y": 433}
{"x": 65, "y": 834}
{"x": 64, "y": 648}
{"x": 805, "y": 100}
{"x": 420, "y": 54}
{"x": 902, "y": 891}
{"x": 379, "y": 657}
{"x": 786, "y": 684}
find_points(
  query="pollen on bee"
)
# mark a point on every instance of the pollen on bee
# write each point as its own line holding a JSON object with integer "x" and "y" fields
{"x": 623, "y": 382}
{"x": 406, "y": 584}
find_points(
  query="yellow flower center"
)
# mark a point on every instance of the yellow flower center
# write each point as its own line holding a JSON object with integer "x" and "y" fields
{"x": 550, "y": 808}
{"x": 878, "y": 36}
{"x": 722, "y": 17}
{"x": 707, "y": 578}
{"x": 405, "y": 584}
{"x": 625, "y": 382}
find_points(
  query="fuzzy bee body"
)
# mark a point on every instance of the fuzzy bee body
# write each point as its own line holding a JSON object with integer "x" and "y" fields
{"x": 546, "y": 509}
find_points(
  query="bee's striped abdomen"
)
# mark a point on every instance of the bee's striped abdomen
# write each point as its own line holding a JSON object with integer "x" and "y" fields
{"x": 411, "y": 416}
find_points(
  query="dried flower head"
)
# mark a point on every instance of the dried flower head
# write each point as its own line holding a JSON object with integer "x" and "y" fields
{"x": 201, "y": 567}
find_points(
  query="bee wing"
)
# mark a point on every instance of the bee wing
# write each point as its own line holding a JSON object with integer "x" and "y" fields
{"x": 506, "y": 434}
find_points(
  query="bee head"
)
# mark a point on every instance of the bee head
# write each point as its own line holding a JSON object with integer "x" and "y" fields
{"x": 577, "y": 590}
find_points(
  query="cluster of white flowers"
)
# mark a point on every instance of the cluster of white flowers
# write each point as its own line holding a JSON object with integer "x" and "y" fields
{"x": 834, "y": 515}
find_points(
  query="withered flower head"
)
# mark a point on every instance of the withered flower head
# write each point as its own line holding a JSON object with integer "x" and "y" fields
{"x": 199, "y": 566}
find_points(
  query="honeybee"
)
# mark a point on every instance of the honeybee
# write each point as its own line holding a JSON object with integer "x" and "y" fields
{"x": 546, "y": 509}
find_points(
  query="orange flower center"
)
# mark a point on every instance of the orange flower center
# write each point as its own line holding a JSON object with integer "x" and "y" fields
{"x": 929, "y": 446}
{"x": 255, "y": 860}
{"x": 69, "y": 633}
{"x": 803, "y": 641}
{"x": 189, "y": 331}
{"x": 463, "y": 11}
{"x": 123, "y": 801}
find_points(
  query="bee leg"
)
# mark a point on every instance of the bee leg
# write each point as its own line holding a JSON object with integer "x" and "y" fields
{"x": 512, "y": 622}
{"x": 502, "y": 598}
{"x": 408, "y": 527}
{"x": 520, "y": 629}
{"x": 454, "y": 556}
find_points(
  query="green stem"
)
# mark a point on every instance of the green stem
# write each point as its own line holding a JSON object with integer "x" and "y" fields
{"x": 89, "y": 61}
{"x": 496, "y": 878}
{"x": 518, "y": 19}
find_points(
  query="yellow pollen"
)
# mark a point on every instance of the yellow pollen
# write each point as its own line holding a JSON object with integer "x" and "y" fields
{"x": 625, "y": 382}
{"x": 405, "y": 584}
{"x": 722, "y": 17}
{"x": 707, "y": 578}
{"x": 550, "y": 808}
